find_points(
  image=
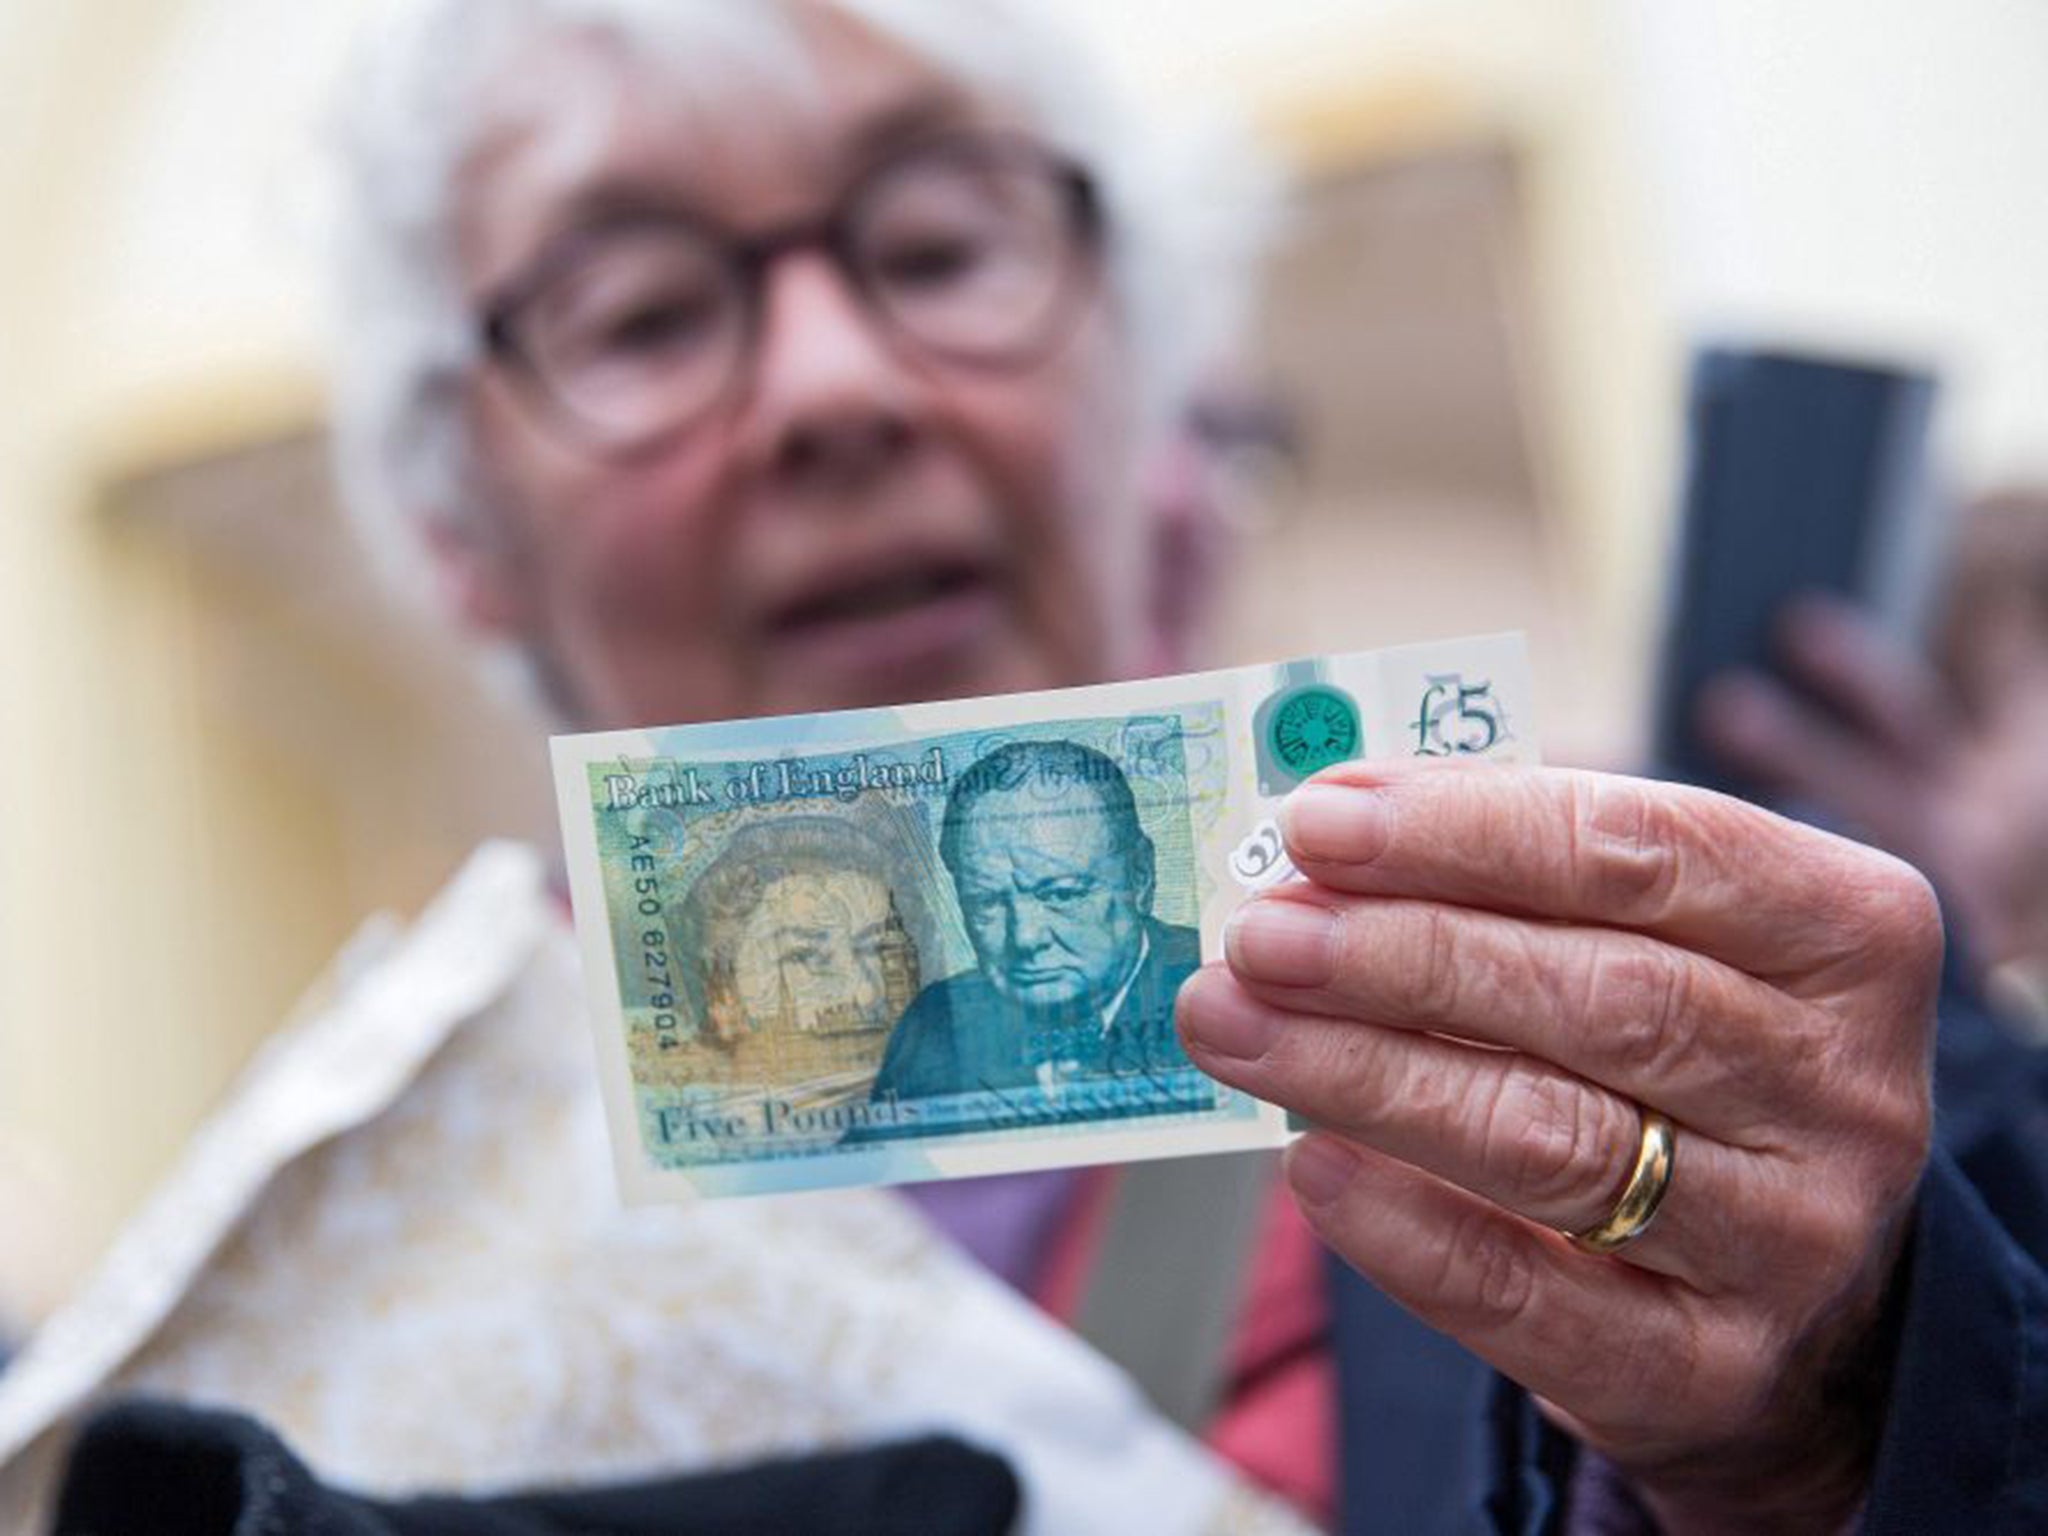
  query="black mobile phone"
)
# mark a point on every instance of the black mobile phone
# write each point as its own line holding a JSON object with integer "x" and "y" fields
{"x": 1802, "y": 474}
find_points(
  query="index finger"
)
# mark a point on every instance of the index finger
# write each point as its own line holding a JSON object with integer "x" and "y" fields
{"x": 1703, "y": 870}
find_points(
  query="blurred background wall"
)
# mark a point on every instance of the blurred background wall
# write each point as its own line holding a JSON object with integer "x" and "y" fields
{"x": 220, "y": 748}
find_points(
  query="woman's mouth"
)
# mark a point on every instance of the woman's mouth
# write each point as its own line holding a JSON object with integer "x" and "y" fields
{"x": 900, "y": 628}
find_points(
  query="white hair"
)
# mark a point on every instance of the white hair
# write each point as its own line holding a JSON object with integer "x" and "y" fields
{"x": 1186, "y": 216}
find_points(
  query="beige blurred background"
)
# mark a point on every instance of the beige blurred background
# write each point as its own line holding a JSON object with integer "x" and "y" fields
{"x": 221, "y": 748}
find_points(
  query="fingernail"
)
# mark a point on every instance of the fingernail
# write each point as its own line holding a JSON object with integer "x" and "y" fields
{"x": 1286, "y": 943}
{"x": 1222, "y": 1018}
{"x": 1335, "y": 823}
{"x": 1319, "y": 1168}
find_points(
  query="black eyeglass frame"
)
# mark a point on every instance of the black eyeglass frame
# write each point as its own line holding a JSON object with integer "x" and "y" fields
{"x": 750, "y": 257}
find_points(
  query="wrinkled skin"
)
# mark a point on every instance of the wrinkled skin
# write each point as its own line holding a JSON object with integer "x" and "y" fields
{"x": 1767, "y": 986}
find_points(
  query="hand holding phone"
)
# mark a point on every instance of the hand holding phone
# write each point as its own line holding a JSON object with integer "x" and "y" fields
{"x": 1805, "y": 476}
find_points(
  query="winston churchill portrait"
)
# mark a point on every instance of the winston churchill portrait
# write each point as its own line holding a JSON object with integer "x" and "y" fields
{"x": 1074, "y": 977}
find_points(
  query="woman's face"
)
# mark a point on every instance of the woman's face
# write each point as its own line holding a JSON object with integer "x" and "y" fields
{"x": 856, "y": 524}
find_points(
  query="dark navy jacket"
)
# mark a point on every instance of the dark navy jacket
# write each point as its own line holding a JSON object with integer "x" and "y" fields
{"x": 1432, "y": 1441}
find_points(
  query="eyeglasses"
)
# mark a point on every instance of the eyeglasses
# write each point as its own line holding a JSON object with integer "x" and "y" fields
{"x": 973, "y": 250}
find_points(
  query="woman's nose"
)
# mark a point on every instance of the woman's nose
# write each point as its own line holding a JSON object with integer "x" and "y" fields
{"x": 831, "y": 401}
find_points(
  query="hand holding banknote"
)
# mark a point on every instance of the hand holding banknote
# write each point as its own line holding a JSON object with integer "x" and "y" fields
{"x": 1493, "y": 990}
{"x": 948, "y": 939}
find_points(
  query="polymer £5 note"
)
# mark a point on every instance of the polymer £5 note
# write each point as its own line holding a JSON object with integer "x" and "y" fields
{"x": 945, "y": 939}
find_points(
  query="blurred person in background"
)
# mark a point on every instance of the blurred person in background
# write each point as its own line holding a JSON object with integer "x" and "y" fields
{"x": 735, "y": 359}
{"x": 1942, "y": 760}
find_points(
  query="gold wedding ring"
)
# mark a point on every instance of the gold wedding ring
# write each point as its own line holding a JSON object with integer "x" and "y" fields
{"x": 1643, "y": 1193}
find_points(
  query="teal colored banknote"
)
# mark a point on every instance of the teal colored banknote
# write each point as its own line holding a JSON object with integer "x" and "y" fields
{"x": 945, "y": 939}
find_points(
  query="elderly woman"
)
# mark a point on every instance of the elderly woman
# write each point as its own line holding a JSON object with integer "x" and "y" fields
{"x": 740, "y": 358}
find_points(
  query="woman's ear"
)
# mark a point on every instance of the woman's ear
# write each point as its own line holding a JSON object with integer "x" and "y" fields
{"x": 478, "y": 579}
